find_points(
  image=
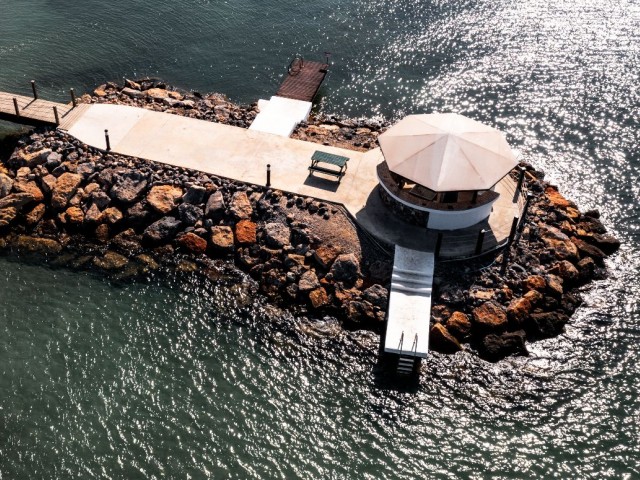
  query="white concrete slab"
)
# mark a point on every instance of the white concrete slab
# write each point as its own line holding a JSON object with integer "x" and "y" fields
{"x": 279, "y": 116}
{"x": 409, "y": 309}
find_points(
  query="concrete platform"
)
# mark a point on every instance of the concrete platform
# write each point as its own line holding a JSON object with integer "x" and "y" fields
{"x": 280, "y": 116}
{"x": 409, "y": 308}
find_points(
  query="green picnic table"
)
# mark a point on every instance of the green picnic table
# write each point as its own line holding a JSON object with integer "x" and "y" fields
{"x": 329, "y": 159}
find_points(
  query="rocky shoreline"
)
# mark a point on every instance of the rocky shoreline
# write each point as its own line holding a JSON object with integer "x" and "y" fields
{"x": 129, "y": 218}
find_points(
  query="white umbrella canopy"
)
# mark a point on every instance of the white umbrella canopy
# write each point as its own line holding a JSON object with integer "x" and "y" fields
{"x": 447, "y": 152}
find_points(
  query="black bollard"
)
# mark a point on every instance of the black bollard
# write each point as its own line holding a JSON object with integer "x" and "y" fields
{"x": 15, "y": 105}
{"x": 55, "y": 115}
{"x": 106, "y": 137}
{"x": 268, "y": 174}
{"x": 74, "y": 102}
{"x": 480, "y": 241}
{"x": 436, "y": 252}
{"x": 33, "y": 87}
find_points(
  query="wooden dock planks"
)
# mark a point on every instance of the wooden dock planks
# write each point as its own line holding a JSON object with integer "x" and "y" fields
{"x": 304, "y": 83}
{"x": 31, "y": 112}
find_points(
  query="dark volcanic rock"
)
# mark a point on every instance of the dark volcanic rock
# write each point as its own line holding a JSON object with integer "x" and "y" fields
{"x": 346, "y": 268}
{"x": 277, "y": 235}
{"x": 546, "y": 324}
{"x": 5, "y": 185}
{"x": 194, "y": 195}
{"x": 215, "y": 205}
{"x": 376, "y": 295}
{"x": 496, "y": 347}
{"x": 190, "y": 213}
{"x": 128, "y": 188}
{"x": 163, "y": 230}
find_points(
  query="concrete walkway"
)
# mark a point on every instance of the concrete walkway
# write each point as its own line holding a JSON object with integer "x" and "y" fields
{"x": 243, "y": 154}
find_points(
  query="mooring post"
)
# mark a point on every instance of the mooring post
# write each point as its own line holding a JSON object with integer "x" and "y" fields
{"x": 436, "y": 252}
{"x": 74, "y": 102}
{"x": 55, "y": 115}
{"x": 480, "y": 241}
{"x": 15, "y": 105}
{"x": 33, "y": 87}
{"x": 106, "y": 137}
{"x": 268, "y": 174}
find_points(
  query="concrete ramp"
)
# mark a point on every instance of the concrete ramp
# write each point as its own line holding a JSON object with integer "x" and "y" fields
{"x": 280, "y": 116}
{"x": 409, "y": 309}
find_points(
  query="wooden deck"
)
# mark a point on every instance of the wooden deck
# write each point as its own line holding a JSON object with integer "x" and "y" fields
{"x": 303, "y": 83}
{"x": 31, "y": 111}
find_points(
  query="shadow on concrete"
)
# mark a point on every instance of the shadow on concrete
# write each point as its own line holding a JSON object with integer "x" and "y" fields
{"x": 322, "y": 183}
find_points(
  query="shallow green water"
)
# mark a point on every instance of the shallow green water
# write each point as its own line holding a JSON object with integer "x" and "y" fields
{"x": 165, "y": 380}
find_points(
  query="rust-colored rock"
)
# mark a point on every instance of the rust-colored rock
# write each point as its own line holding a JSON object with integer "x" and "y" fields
{"x": 459, "y": 325}
{"x": 556, "y": 199}
{"x": 554, "y": 285}
{"x": 534, "y": 282}
{"x": 102, "y": 232}
{"x": 519, "y": 309}
{"x": 534, "y": 297}
{"x": 490, "y": 317}
{"x": 442, "y": 341}
{"x": 588, "y": 250}
{"x": 65, "y": 188}
{"x": 240, "y": 206}
{"x": 246, "y": 232}
{"x": 35, "y": 215}
{"x": 318, "y": 297}
{"x": 192, "y": 242}
{"x": 93, "y": 215}
{"x": 325, "y": 255}
{"x": 7, "y": 215}
{"x": 565, "y": 270}
{"x": 163, "y": 198}
{"x": 31, "y": 188}
{"x": 157, "y": 93}
{"x": 111, "y": 215}
{"x": 74, "y": 216}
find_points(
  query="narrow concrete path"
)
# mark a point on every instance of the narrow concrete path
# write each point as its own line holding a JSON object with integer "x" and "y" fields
{"x": 409, "y": 311}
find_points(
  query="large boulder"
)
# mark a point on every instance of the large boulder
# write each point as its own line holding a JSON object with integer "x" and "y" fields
{"x": 15, "y": 200}
{"x": 190, "y": 213}
{"x": 546, "y": 324}
{"x": 30, "y": 187}
{"x": 605, "y": 242}
{"x": 519, "y": 309}
{"x": 558, "y": 243}
{"x": 277, "y": 235}
{"x": 565, "y": 270}
{"x": 162, "y": 231}
{"x": 346, "y": 268}
{"x": 496, "y": 347}
{"x": 192, "y": 242}
{"x": 588, "y": 250}
{"x": 163, "y": 198}
{"x": 376, "y": 295}
{"x": 459, "y": 325}
{"x": 7, "y": 215}
{"x": 308, "y": 281}
{"x": 246, "y": 231}
{"x": 215, "y": 205}
{"x": 194, "y": 195}
{"x": 222, "y": 238}
{"x": 111, "y": 261}
{"x": 43, "y": 246}
{"x": 65, "y": 188}
{"x": 490, "y": 317}
{"x": 442, "y": 341}
{"x": 128, "y": 188}
{"x": 240, "y": 206}
{"x": 534, "y": 282}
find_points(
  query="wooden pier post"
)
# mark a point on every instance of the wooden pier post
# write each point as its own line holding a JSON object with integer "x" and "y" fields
{"x": 33, "y": 87}
{"x": 15, "y": 105}
{"x": 74, "y": 102}
{"x": 55, "y": 115}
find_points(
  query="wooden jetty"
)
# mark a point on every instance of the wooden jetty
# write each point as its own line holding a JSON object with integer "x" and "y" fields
{"x": 34, "y": 111}
{"x": 303, "y": 79}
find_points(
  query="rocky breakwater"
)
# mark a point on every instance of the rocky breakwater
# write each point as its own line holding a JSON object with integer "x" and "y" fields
{"x": 128, "y": 217}
{"x": 559, "y": 251}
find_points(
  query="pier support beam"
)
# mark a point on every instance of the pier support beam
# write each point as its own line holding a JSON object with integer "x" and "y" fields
{"x": 33, "y": 88}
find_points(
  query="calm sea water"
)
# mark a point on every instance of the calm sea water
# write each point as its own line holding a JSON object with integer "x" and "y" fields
{"x": 168, "y": 381}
